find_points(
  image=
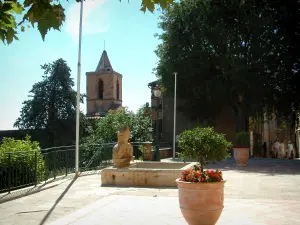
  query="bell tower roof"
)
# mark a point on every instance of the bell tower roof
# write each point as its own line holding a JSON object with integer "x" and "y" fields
{"x": 104, "y": 64}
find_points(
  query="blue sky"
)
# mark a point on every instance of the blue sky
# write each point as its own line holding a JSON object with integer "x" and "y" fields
{"x": 129, "y": 42}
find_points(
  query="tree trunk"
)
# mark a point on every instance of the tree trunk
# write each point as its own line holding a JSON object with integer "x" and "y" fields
{"x": 201, "y": 166}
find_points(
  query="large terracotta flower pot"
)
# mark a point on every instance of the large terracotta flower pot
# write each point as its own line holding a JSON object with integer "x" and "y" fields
{"x": 241, "y": 156}
{"x": 201, "y": 203}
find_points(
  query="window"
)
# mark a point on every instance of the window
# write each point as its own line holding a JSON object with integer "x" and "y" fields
{"x": 100, "y": 89}
{"x": 118, "y": 90}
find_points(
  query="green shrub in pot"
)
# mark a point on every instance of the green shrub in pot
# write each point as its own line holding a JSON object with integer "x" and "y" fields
{"x": 242, "y": 140}
{"x": 203, "y": 144}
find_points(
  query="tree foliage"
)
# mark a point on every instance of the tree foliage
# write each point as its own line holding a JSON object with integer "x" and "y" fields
{"x": 231, "y": 53}
{"x": 45, "y": 14}
{"x": 203, "y": 144}
{"x": 53, "y": 103}
{"x": 105, "y": 129}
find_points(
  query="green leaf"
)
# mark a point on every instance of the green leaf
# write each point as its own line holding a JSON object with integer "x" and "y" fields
{"x": 6, "y": 19}
{"x": 17, "y": 8}
{"x": 10, "y": 35}
{"x": 6, "y": 7}
{"x": 2, "y": 35}
{"x": 148, "y": 4}
{"x": 47, "y": 16}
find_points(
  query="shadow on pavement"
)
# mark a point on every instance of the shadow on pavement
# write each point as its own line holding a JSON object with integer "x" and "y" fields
{"x": 57, "y": 201}
{"x": 4, "y": 197}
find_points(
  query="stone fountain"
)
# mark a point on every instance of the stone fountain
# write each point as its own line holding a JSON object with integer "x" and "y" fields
{"x": 127, "y": 172}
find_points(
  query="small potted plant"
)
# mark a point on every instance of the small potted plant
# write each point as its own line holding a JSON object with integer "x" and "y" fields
{"x": 201, "y": 192}
{"x": 241, "y": 149}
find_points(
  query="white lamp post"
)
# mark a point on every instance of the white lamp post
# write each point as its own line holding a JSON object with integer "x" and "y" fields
{"x": 174, "y": 129}
{"x": 78, "y": 92}
{"x": 157, "y": 94}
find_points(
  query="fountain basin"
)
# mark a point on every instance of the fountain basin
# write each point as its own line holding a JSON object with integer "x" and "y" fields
{"x": 145, "y": 174}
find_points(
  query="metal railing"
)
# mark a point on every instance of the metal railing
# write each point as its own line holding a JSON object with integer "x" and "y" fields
{"x": 18, "y": 170}
{"x": 26, "y": 168}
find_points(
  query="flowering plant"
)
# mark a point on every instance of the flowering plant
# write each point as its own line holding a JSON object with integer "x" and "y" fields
{"x": 195, "y": 175}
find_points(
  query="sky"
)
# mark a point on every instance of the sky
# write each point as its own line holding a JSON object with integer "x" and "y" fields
{"x": 129, "y": 41}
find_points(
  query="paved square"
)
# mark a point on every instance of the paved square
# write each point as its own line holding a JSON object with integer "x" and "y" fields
{"x": 148, "y": 210}
{"x": 265, "y": 192}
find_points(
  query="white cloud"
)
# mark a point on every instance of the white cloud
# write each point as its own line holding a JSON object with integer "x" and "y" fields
{"x": 94, "y": 20}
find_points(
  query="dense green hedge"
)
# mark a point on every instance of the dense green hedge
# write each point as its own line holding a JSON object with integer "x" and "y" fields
{"x": 21, "y": 163}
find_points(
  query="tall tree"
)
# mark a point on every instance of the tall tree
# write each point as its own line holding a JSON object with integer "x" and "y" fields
{"x": 105, "y": 129}
{"x": 226, "y": 53}
{"x": 141, "y": 125}
{"x": 47, "y": 14}
{"x": 53, "y": 103}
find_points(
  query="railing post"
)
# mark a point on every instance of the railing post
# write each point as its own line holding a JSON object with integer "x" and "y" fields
{"x": 46, "y": 166}
{"x": 36, "y": 167}
{"x": 9, "y": 172}
{"x": 101, "y": 157}
{"x": 54, "y": 164}
{"x": 66, "y": 166}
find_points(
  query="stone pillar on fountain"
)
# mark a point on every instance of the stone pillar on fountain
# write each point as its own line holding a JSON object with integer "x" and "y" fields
{"x": 147, "y": 151}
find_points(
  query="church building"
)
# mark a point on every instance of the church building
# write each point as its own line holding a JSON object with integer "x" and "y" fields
{"x": 103, "y": 88}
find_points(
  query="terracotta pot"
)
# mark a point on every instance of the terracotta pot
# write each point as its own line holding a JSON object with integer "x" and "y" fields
{"x": 241, "y": 156}
{"x": 201, "y": 203}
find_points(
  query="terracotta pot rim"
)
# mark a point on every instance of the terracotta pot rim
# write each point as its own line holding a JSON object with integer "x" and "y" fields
{"x": 192, "y": 183}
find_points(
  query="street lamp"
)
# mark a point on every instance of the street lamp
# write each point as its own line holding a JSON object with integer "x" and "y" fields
{"x": 157, "y": 94}
{"x": 78, "y": 92}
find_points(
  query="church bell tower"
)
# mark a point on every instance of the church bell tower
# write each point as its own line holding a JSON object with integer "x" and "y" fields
{"x": 104, "y": 89}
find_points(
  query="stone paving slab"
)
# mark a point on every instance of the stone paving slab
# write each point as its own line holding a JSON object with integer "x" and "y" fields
{"x": 136, "y": 210}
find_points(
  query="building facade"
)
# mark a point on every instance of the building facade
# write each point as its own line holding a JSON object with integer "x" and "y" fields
{"x": 263, "y": 131}
{"x": 225, "y": 123}
{"x": 103, "y": 89}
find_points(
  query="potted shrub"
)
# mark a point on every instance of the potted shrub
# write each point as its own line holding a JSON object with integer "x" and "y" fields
{"x": 201, "y": 192}
{"x": 241, "y": 149}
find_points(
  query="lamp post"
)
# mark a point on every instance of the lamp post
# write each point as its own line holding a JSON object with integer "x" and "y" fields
{"x": 174, "y": 129}
{"x": 78, "y": 92}
{"x": 157, "y": 94}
